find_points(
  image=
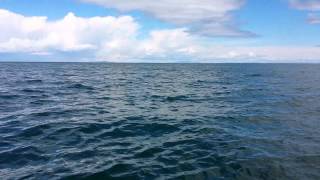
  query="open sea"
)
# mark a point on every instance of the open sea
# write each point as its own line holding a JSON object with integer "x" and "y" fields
{"x": 159, "y": 121}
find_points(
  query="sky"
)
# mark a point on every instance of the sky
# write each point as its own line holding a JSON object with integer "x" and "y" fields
{"x": 162, "y": 31}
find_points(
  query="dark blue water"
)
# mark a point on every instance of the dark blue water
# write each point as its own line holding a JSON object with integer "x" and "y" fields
{"x": 159, "y": 121}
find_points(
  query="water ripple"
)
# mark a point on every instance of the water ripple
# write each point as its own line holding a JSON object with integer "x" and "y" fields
{"x": 159, "y": 121}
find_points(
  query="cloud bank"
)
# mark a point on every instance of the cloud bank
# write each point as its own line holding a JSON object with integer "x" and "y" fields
{"x": 106, "y": 38}
{"x": 205, "y": 17}
{"x": 117, "y": 39}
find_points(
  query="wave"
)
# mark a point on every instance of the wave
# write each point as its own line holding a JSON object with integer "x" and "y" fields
{"x": 80, "y": 87}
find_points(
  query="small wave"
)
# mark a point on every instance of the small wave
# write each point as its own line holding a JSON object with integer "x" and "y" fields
{"x": 179, "y": 142}
{"x": 9, "y": 96}
{"x": 117, "y": 133}
{"x": 254, "y": 75}
{"x": 94, "y": 128}
{"x": 34, "y": 131}
{"x": 115, "y": 171}
{"x": 42, "y": 102}
{"x": 67, "y": 112}
{"x": 30, "y": 81}
{"x": 134, "y": 118}
{"x": 170, "y": 98}
{"x": 34, "y": 81}
{"x": 156, "y": 97}
{"x": 152, "y": 129}
{"x": 80, "y": 86}
{"x": 22, "y": 155}
{"x": 105, "y": 98}
{"x": 32, "y": 91}
{"x": 81, "y": 154}
{"x": 149, "y": 152}
{"x": 176, "y": 98}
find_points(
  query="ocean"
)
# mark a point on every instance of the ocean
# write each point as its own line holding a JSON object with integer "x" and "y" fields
{"x": 159, "y": 121}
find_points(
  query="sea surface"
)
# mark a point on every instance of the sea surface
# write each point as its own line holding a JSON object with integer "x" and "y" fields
{"x": 159, "y": 121}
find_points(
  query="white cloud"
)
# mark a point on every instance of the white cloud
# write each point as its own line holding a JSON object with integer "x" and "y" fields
{"x": 105, "y": 38}
{"x": 311, "y": 5}
{"x": 160, "y": 45}
{"x": 116, "y": 39}
{"x": 308, "y": 5}
{"x": 36, "y": 34}
{"x": 206, "y": 17}
{"x": 313, "y": 18}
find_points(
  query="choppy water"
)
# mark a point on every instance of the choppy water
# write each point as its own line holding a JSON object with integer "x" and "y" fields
{"x": 159, "y": 121}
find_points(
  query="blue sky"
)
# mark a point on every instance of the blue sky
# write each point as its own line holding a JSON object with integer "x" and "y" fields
{"x": 278, "y": 23}
{"x": 162, "y": 31}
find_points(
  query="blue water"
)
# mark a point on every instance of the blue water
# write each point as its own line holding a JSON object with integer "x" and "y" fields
{"x": 159, "y": 121}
